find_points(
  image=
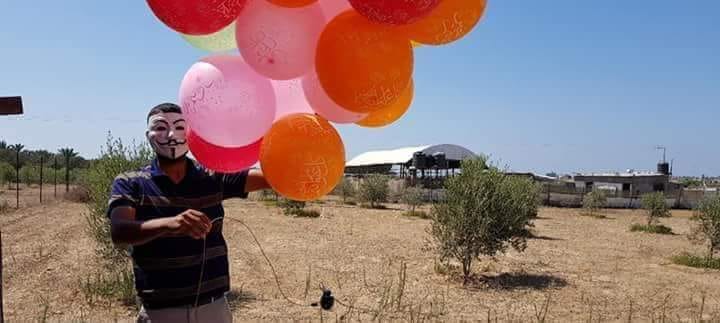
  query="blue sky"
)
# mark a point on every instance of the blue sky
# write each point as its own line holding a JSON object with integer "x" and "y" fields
{"x": 561, "y": 85}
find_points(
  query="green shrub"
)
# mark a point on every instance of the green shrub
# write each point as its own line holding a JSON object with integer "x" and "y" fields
{"x": 593, "y": 202}
{"x": 690, "y": 260}
{"x": 374, "y": 190}
{"x": 78, "y": 194}
{"x": 413, "y": 197}
{"x": 655, "y": 207}
{"x": 268, "y": 195}
{"x": 7, "y": 173}
{"x": 30, "y": 174}
{"x": 417, "y": 214}
{"x": 115, "y": 159}
{"x": 346, "y": 189}
{"x": 114, "y": 284}
{"x": 484, "y": 212}
{"x": 653, "y": 228}
{"x": 707, "y": 229}
{"x": 115, "y": 280}
{"x": 290, "y": 206}
{"x": 296, "y": 209}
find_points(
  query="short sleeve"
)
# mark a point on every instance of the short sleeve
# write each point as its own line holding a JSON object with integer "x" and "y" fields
{"x": 122, "y": 193}
{"x": 233, "y": 184}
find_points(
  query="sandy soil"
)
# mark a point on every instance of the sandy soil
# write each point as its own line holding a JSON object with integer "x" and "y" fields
{"x": 576, "y": 269}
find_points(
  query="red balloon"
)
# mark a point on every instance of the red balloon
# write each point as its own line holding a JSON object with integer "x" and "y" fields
{"x": 197, "y": 17}
{"x": 223, "y": 159}
{"x": 394, "y": 12}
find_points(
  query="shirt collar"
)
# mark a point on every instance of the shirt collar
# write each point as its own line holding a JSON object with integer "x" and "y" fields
{"x": 156, "y": 171}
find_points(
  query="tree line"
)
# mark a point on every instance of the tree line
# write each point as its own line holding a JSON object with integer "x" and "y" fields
{"x": 31, "y": 163}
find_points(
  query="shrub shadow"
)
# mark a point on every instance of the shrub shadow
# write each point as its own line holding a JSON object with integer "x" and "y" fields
{"x": 513, "y": 281}
{"x": 530, "y": 234}
{"x": 238, "y": 299}
{"x": 540, "y": 237}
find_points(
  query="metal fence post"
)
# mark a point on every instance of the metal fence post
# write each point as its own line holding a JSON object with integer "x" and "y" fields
{"x": 41, "y": 177}
{"x": 2, "y": 317}
{"x": 17, "y": 178}
{"x": 55, "y": 168}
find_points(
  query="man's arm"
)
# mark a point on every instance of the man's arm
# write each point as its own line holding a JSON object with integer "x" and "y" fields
{"x": 255, "y": 181}
{"x": 126, "y": 230}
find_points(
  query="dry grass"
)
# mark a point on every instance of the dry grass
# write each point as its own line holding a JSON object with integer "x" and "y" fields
{"x": 377, "y": 264}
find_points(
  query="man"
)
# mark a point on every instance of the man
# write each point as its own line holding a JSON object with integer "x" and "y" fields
{"x": 165, "y": 212}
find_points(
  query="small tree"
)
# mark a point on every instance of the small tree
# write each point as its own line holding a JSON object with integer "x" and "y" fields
{"x": 68, "y": 154}
{"x": 374, "y": 189}
{"x": 291, "y": 207}
{"x": 346, "y": 189}
{"x": 655, "y": 206}
{"x": 30, "y": 175}
{"x": 7, "y": 173}
{"x": 707, "y": 230}
{"x": 594, "y": 202}
{"x": 484, "y": 212}
{"x": 413, "y": 197}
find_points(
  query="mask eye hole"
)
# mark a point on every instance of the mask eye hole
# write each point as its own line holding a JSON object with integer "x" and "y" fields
{"x": 160, "y": 128}
{"x": 180, "y": 128}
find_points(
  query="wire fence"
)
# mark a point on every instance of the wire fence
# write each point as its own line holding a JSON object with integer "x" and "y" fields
{"x": 29, "y": 182}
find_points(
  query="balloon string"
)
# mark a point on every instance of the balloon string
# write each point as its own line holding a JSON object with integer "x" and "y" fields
{"x": 360, "y": 309}
{"x": 262, "y": 251}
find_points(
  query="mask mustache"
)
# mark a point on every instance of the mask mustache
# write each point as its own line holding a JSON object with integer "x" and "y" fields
{"x": 172, "y": 142}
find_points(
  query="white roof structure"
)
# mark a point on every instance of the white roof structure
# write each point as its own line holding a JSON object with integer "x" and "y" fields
{"x": 404, "y": 155}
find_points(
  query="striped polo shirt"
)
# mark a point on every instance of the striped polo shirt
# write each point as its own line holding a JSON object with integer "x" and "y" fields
{"x": 167, "y": 269}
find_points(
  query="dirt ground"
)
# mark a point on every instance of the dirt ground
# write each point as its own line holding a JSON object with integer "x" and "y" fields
{"x": 29, "y": 196}
{"x": 575, "y": 269}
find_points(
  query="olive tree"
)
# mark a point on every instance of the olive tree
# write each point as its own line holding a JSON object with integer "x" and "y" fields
{"x": 485, "y": 212}
{"x": 655, "y": 207}
{"x": 707, "y": 230}
{"x": 374, "y": 190}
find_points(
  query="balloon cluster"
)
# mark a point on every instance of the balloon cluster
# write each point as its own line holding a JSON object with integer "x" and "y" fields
{"x": 302, "y": 65}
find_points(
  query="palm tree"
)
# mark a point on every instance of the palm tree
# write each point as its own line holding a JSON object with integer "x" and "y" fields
{"x": 68, "y": 153}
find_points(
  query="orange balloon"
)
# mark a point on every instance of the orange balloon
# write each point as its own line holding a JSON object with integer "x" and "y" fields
{"x": 292, "y": 3}
{"x": 363, "y": 66}
{"x": 302, "y": 157}
{"x": 450, "y": 21}
{"x": 388, "y": 115}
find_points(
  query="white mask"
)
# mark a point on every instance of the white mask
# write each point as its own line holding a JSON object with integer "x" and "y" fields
{"x": 166, "y": 134}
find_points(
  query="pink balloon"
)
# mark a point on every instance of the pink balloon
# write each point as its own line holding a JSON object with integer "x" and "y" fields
{"x": 221, "y": 159}
{"x": 290, "y": 98}
{"x": 323, "y": 105}
{"x": 279, "y": 42}
{"x": 332, "y": 8}
{"x": 226, "y": 103}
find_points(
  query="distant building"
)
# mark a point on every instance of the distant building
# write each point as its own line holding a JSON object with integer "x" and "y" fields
{"x": 630, "y": 183}
{"x": 419, "y": 161}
